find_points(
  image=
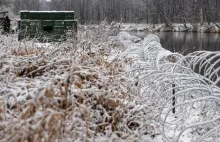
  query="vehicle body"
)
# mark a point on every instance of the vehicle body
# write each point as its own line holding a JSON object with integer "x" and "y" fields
{"x": 46, "y": 25}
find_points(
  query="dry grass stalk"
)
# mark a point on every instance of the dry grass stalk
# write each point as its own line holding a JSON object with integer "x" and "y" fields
{"x": 67, "y": 91}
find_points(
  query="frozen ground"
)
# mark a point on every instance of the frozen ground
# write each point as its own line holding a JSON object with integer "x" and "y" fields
{"x": 105, "y": 87}
{"x": 70, "y": 91}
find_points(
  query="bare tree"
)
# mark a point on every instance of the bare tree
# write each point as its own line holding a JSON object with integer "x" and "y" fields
{"x": 135, "y": 11}
{"x": 19, "y": 5}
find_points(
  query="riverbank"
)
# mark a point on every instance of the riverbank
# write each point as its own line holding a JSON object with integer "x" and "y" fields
{"x": 102, "y": 87}
{"x": 205, "y": 28}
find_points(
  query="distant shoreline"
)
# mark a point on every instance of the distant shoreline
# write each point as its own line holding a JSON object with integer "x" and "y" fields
{"x": 177, "y": 27}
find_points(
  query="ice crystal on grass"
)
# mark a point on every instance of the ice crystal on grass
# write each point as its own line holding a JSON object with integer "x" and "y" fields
{"x": 68, "y": 91}
{"x": 103, "y": 86}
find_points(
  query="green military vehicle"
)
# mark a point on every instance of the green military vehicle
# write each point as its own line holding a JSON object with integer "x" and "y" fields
{"x": 46, "y": 25}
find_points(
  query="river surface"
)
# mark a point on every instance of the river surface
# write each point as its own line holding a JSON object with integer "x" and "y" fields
{"x": 185, "y": 42}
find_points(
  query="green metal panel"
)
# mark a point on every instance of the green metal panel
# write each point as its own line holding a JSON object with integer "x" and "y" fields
{"x": 35, "y": 25}
{"x": 48, "y": 22}
{"x": 69, "y": 15}
{"x": 51, "y": 16}
{"x": 43, "y": 16}
{"x": 35, "y": 22}
{"x": 25, "y": 22}
{"x": 46, "y": 25}
{"x": 24, "y": 14}
{"x": 34, "y": 16}
{"x": 59, "y": 23}
{"x": 75, "y": 25}
{"x": 60, "y": 16}
{"x": 24, "y": 25}
{"x": 71, "y": 25}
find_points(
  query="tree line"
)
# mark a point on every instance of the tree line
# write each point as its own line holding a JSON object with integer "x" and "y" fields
{"x": 132, "y": 11}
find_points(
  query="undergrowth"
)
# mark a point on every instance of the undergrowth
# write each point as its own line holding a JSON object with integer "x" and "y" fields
{"x": 68, "y": 91}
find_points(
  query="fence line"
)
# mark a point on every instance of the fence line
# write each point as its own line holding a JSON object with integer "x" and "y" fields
{"x": 188, "y": 101}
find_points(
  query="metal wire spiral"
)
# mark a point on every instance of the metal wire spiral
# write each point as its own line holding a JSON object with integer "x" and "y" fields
{"x": 183, "y": 88}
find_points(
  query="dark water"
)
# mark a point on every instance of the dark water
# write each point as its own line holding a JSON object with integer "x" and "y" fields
{"x": 184, "y": 42}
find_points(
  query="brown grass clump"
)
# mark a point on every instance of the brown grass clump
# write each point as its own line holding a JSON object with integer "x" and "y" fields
{"x": 25, "y": 51}
{"x": 68, "y": 92}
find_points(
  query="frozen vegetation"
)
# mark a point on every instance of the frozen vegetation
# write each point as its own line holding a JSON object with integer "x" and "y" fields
{"x": 105, "y": 86}
{"x": 176, "y": 27}
{"x": 188, "y": 27}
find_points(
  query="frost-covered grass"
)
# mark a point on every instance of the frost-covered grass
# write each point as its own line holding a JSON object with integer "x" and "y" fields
{"x": 70, "y": 91}
{"x": 103, "y": 86}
